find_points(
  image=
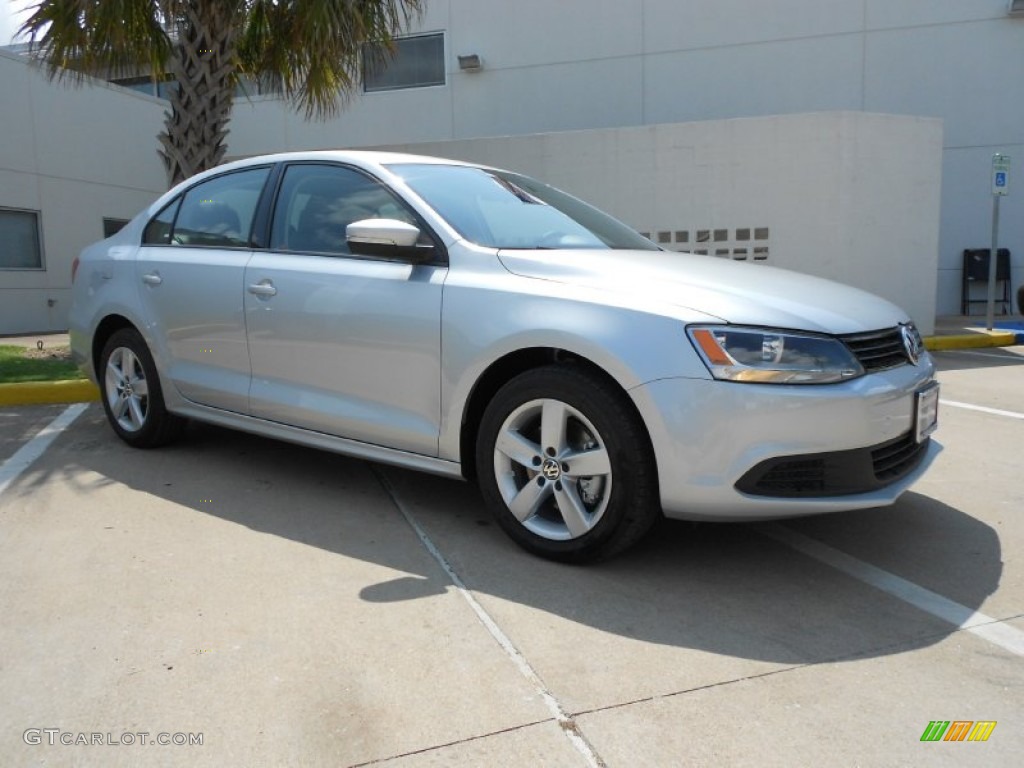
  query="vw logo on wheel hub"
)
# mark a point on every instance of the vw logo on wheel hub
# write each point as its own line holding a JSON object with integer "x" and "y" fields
{"x": 550, "y": 469}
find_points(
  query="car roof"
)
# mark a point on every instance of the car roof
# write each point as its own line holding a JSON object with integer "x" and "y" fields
{"x": 359, "y": 157}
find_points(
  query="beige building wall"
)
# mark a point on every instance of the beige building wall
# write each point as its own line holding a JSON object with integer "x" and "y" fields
{"x": 849, "y": 196}
{"x": 75, "y": 156}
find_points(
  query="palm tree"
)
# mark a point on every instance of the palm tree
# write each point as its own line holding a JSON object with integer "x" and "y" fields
{"x": 307, "y": 50}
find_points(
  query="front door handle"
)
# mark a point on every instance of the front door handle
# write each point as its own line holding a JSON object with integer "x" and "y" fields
{"x": 263, "y": 288}
{"x": 152, "y": 278}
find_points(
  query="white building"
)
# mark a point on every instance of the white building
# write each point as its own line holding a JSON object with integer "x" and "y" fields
{"x": 622, "y": 64}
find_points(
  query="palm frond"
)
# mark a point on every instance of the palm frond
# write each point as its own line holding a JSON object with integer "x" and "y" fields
{"x": 114, "y": 37}
{"x": 310, "y": 50}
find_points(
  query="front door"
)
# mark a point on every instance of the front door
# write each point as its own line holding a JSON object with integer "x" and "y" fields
{"x": 339, "y": 343}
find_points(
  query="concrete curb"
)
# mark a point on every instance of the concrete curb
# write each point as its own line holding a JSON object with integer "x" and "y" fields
{"x": 973, "y": 340}
{"x": 43, "y": 392}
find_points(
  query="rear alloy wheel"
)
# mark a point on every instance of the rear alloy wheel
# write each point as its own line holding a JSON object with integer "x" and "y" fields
{"x": 131, "y": 394}
{"x": 566, "y": 466}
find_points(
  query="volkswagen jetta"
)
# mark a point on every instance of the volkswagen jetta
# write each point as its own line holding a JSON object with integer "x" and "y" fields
{"x": 477, "y": 323}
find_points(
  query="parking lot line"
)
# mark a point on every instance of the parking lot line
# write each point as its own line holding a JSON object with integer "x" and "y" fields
{"x": 983, "y": 409}
{"x": 34, "y": 448}
{"x": 985, "y": 627}
{"x": 565, "y": 721}
{"x": 1005, "y": 356}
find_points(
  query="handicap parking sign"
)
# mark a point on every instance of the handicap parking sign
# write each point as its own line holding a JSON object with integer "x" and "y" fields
{"x": 1000, "y": 174}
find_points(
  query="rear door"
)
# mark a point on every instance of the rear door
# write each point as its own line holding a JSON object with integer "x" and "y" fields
{"x": 339, "y": 343}
{"x": 190, "y": 273}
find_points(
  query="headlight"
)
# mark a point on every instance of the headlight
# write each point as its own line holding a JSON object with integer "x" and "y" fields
{"x": 766, "y": 356}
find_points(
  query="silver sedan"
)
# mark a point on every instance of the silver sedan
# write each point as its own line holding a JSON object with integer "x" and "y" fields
{"x": 477, "y": 323}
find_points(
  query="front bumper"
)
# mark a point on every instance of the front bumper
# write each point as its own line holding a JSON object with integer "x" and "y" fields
{"x": 711, "y": 436}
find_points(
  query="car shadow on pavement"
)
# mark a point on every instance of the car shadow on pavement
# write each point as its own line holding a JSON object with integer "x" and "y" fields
{"x": 722, "y": 588}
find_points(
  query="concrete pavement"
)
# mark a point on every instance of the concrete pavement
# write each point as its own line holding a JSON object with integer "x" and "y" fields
{"x": 299, "y": 608}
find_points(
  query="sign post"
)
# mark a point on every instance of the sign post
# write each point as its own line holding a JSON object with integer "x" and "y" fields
{"x": 1000, "y": 188}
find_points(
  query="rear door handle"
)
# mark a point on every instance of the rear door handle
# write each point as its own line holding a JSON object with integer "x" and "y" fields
{"x": 263, "y": 288}
{"x": 152, "y": 278}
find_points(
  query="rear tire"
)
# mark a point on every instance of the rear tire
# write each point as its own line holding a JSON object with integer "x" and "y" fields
{"x": 131, "y": 393}
{"x": 565, "y": 465}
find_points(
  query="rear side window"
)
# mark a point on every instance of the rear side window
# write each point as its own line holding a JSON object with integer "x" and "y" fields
{"x": 158, "y": 231}
{"x": 217, "y": 212}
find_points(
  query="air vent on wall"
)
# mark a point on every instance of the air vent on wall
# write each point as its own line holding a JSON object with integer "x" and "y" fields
{"x": 1016, "y": 8}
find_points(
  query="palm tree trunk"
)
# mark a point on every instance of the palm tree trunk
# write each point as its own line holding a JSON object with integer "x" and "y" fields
{"x": 203, "y": 63}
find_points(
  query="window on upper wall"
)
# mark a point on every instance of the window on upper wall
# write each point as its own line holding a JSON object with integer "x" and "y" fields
{"x": 418, "y": 61}
{"x": 20, "y": 243}
{"x": 113, "y": 226}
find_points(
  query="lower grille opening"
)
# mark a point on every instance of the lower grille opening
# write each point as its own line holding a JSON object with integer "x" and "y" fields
{"x": 837, "y": 473}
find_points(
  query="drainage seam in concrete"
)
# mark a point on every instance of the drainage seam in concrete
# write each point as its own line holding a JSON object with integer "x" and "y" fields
{"x": 565, "y": 721}
{"x": 861, "y": 654}
{"x": 457, "y": 742}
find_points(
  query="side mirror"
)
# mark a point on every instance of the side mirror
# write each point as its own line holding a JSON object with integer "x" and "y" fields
{"x": 387, "y": 238}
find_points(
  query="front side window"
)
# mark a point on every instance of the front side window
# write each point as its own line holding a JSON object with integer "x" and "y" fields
{"x": 20, "y": 246}
{"x": 219, "y": 212}
{"x": 498, "y": 209}
{"x": 318, "y": 202}
{"x": 417, "y": 62}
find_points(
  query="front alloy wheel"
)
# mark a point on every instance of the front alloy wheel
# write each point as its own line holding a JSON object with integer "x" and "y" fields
{"x": 565, "y": 464}
{"x": 552, "y": 469}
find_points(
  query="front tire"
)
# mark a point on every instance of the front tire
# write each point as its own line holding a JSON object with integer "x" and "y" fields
{"x": 131, "y": 393}
{"x": 566, "y": 466}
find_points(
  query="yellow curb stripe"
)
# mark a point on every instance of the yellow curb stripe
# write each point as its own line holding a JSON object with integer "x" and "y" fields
{"x": 42, "y": 392}
{"x": 971, "y": 340}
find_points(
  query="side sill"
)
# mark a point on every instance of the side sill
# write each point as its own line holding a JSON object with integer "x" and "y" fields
{"x": 320, "y": 440}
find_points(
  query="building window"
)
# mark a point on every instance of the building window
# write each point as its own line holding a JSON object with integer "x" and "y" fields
{"x": 112, "y": 226}
{"x": 418, "y": 61}
{"x": 159, "y": 87}
{"x": 20, "y": 243}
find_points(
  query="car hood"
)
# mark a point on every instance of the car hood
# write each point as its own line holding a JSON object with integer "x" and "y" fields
{"x": 742, "y": 293}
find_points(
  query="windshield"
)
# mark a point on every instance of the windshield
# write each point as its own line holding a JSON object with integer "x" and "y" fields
{"x": 499, "y": 209}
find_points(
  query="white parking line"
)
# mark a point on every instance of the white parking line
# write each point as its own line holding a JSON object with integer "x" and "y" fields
{"x": 34, "y": 448}
{"x": 996, "y": 632}
{"x": 1007, "y": 356}
{"x": 983, "y": 409}
{"x": 568, "y": 725}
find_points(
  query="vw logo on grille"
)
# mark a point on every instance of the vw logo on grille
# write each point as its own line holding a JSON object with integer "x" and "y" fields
{"x": 551, "y": 470}
{"x": 911, "y": 343}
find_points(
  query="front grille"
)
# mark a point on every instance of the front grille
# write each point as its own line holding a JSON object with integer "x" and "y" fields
{"x": 877, "y": 350}
{"x": 837, "y": 473}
